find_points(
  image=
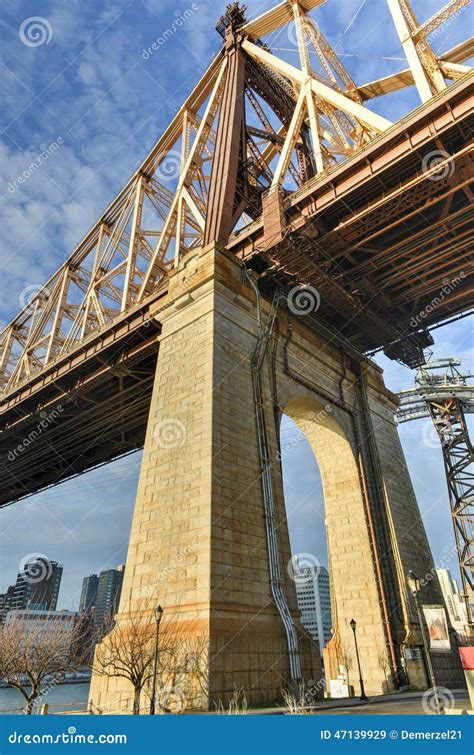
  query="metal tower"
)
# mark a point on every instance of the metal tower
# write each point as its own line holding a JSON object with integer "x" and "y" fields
{"x": 443, "y": 393}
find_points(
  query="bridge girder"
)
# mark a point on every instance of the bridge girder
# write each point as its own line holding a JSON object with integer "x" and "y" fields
{"x": 446, "y": 395}
{"x": 313, "y": 121}
{"x": 359, "y": 216}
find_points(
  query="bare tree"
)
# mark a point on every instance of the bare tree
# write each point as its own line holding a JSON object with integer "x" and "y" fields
{"x": 128, "y": 652}
{"x": 36, "y": 654}
{"x": 384, "y": 666}
{"x": 183, "y": 669}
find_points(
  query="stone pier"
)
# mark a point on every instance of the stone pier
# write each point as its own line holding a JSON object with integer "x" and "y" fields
{"x": 198, "y": 543}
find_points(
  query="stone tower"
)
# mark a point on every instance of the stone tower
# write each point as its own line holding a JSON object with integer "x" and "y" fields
{"x": 209, "y": 528}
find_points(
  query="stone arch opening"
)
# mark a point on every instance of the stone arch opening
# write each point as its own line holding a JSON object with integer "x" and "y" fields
{"x": 305, "y": 516}
{"x": 303, "y": 492}
{"x": 352, "y": 580}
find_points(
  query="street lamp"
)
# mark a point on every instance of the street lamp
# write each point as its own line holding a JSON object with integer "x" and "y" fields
{"x": 363, "y": 696}
{"x": 158, "y": 615}
{"x": 414, "y": 586}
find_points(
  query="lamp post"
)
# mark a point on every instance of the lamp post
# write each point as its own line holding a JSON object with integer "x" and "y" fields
{"x": 158, "y": 615}
{"x": 414, "y": 587}
{"x": 363, "y": 696}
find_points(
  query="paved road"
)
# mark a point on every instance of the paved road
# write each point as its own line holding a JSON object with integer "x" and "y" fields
{"x": 409, "y": 704}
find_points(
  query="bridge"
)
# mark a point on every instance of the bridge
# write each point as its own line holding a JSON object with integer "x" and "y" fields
{"x": 287, "y": 174}
{"x": 446, "y": 395}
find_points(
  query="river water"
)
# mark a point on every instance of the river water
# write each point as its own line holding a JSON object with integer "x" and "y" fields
{"x": 62, "y": 697}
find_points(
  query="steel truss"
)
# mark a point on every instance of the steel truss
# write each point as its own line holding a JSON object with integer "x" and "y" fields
{"x": 446, "y": 398}
{"x": 253, "y": 122}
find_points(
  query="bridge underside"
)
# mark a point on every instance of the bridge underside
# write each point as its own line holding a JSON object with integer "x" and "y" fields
{"x": 384, "y": 238}
{"x": 95, "y": 411}
{"x": 382, "y": 235}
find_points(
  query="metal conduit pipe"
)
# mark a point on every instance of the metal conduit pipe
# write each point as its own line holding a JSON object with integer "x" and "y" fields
{"x": 258, "y": 356}
{"x": 341, "y": 403}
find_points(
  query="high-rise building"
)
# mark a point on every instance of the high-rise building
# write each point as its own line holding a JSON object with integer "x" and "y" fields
{"x": 37, "y": 585}
{"x": 454, "y": 601}
{"x": 470, "y": 596}
{"x": 89, "y": 593}
{"x": 6, "y": 599}
{"x": 108, "y": 596}
{"x": 41, "y": 623}
{"x": 314, "y": 600}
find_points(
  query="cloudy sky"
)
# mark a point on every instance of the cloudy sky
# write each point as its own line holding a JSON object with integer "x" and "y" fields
{"x": 91, "y": 89}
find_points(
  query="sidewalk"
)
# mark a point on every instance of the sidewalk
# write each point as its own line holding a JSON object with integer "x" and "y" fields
{"x": 350, "y": 702}
{"x": 330, "y": 704}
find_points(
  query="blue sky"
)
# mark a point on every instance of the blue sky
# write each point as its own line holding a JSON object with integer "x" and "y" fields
{"x": 90, "y": 89}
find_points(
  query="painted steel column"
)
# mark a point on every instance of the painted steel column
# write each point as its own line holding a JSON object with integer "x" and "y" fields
{"x": 225, "y": 165}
